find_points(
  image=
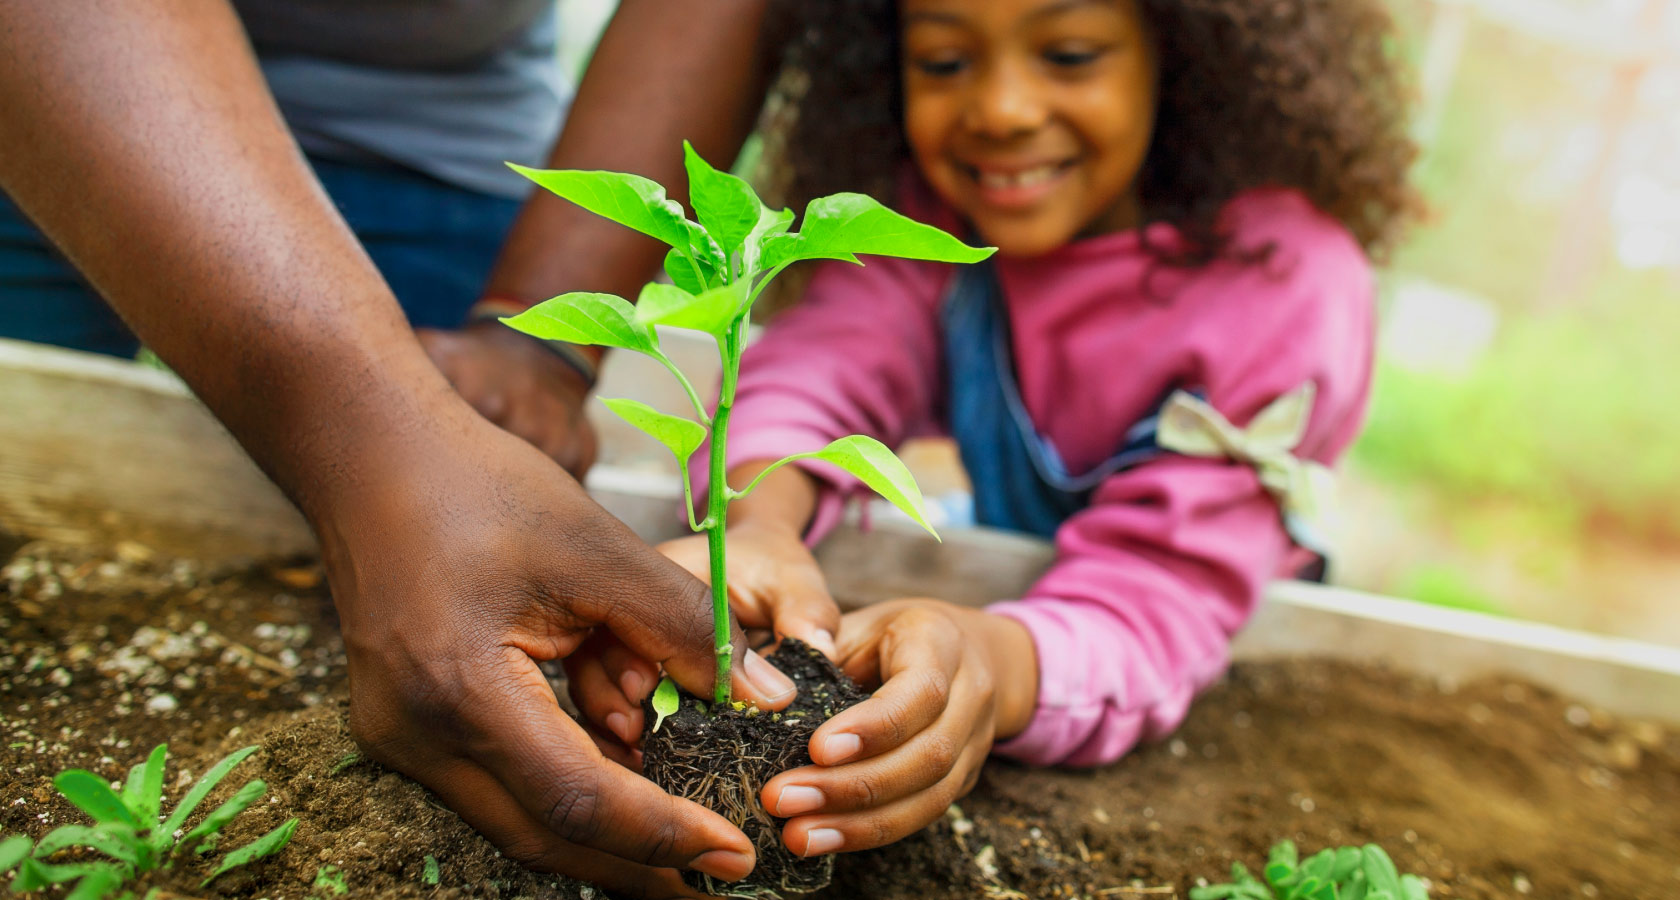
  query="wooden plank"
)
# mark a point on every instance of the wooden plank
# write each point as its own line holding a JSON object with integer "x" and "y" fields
{"x": 95, "y": 449}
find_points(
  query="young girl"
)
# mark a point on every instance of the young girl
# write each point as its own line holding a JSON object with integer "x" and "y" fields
{"x": 1175, "y": 334}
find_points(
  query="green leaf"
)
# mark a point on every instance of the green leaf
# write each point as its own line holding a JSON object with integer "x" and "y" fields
{"x": 1354, "y": 888}
{"x": 605, "y": 320}
{"x": 222, "y": 815}
{"x": 98, "y": 883}
{"x": 1280, "y": 874}
{"x": 267, "y": 845}
{"x": 1304, "y": 890}
{"x": 94, "y": 796}
{"x": 33, "y": 874}
{"x": 681, "y": 271}
{"x": 771, "y": 224}
{"x": 724, "y": 204}
{"x": 1412, "y": 888}
{"x": 713, "y": 311}
{"x": 1347, "y": 863}
{"x": 664, "y": 701}
{"x": 843, "y": 225}
{"x": 682, "y": 436}
{"x": 332, "y": 879}
{"x": 876, "y": 466}
{"x": 164, "y": 833}
{"x": 431, "y": 876}
{"x": 1283, "y": 854}
{"x": 118, "y": 841}
{"x": 13, "y": 850}
{"x": 143, "y": 794}
{"x": 1320, "y": 864}
{"x": 630, "y": 200}
{"x": 1380, "y": 872}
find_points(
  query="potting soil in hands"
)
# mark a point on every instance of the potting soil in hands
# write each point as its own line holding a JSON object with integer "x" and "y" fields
{"x": 722, "y": 759}
{"x": 1490, "y": 789}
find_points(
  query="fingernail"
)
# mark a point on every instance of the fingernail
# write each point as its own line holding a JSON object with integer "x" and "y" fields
{"x": 822, "y": 840}
{"x": 823, "y": 640}
{"x": 619, "y": 723}
{"x": 796, "y": 799}
{"x": 725, "y": 864}
{"x": 837, "y": 748}
{"x": 634, "y": 685}
{"x": 766, "y": 679}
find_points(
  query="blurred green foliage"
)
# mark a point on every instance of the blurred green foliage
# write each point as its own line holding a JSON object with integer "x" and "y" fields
{"x": 1566, "y": 424}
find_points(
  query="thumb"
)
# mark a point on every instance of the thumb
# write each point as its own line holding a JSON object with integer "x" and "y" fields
{"x": 797, "y": 606}
{"x": 665, "y": 614}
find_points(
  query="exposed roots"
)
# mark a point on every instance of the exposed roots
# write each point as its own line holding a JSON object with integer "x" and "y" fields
{"x": 723, "y": 759}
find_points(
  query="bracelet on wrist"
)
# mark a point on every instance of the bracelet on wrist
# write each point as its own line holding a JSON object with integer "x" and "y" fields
{"x": 574, "y": 356}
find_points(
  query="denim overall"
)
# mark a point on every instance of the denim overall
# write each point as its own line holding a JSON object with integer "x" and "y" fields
{"x": 1019, "y": 480}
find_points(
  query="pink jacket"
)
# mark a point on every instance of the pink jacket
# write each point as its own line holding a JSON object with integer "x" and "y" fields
{"x": 1168, "y": 561}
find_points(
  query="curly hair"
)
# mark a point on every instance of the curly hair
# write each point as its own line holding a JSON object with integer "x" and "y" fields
{"x": 1304, "y": 94}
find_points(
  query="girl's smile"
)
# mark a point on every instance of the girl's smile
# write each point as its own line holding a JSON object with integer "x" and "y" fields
{"x": 1030, "y": 117}
{"x": 1016, "y": 185}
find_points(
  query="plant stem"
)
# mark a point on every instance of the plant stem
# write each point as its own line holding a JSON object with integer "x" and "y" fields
{"x": 717, "y": 511}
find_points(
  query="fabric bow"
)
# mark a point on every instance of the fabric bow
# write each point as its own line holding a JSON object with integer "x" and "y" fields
{"x": 1303, "y": 488}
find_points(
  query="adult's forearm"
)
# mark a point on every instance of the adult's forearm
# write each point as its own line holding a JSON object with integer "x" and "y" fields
{"x": 665, "y": 71}
{"x": 141, "y": 138}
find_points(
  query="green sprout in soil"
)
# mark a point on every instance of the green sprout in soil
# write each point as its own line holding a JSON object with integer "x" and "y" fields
{"x": 718, "y": 266}
{"x": 331, "y": 880}
{"x": 129, "y": 830}
{"x": 1345, "y": 873}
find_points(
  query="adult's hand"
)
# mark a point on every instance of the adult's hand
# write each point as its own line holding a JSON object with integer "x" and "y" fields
{"x": 456, "y": 568}
{"x": 515, "y": 382}
{"x": 141, "y": 139}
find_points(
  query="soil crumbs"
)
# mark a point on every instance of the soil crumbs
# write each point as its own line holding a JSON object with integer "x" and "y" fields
{"x": 1489, "y": 789}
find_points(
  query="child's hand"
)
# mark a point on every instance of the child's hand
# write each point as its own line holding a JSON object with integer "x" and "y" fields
{"x": 774, "y": 581}
{"x": 951, "y": 679}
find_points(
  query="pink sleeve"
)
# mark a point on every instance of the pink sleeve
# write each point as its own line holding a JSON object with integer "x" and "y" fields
{"x": 858, "y": 355}
{"x": 1169, "y": 560}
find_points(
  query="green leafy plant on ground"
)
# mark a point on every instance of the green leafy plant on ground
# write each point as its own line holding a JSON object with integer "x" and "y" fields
{"x": 128, "y": 831}
{"x": 1343, "y": 873}
{"x": 718, "y": 266}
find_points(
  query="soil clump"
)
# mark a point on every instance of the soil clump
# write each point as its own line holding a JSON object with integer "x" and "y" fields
{"x": 723, "y": 759}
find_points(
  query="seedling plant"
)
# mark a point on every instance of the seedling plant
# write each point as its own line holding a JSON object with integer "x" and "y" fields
{"x": 718, "y": 267}
{"x": 1344, "y": 873}
{"x": 129, "y": 830}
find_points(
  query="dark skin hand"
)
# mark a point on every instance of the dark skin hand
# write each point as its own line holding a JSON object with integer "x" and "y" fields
{"x": 142, "y": 140}
{"x": 664, "y": 71}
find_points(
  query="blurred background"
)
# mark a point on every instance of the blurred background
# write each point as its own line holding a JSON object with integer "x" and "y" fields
{"x": 1522, "y": 457}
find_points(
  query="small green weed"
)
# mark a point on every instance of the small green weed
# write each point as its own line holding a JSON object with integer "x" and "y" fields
{"x": 431, "y": 876}
{"x": 127, "y": 830}
{"x": 331, "y": 878}
{"x": 1345, "y": 873}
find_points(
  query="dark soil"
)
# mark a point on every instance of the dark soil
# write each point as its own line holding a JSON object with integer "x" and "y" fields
{"x": 1490, "y": 789}
{"x": 723, "y": 759}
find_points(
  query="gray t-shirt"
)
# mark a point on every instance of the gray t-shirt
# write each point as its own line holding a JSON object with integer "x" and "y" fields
{"x": 450, "y": 88}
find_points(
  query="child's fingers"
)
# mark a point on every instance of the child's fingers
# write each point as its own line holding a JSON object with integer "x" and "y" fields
{"x": 919, "y": 764}
{"x": 692, "y": 554}
{"x": 791, "y": 599}
{"x": 919, "y": 655}
{"x": 814, "y": 835}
